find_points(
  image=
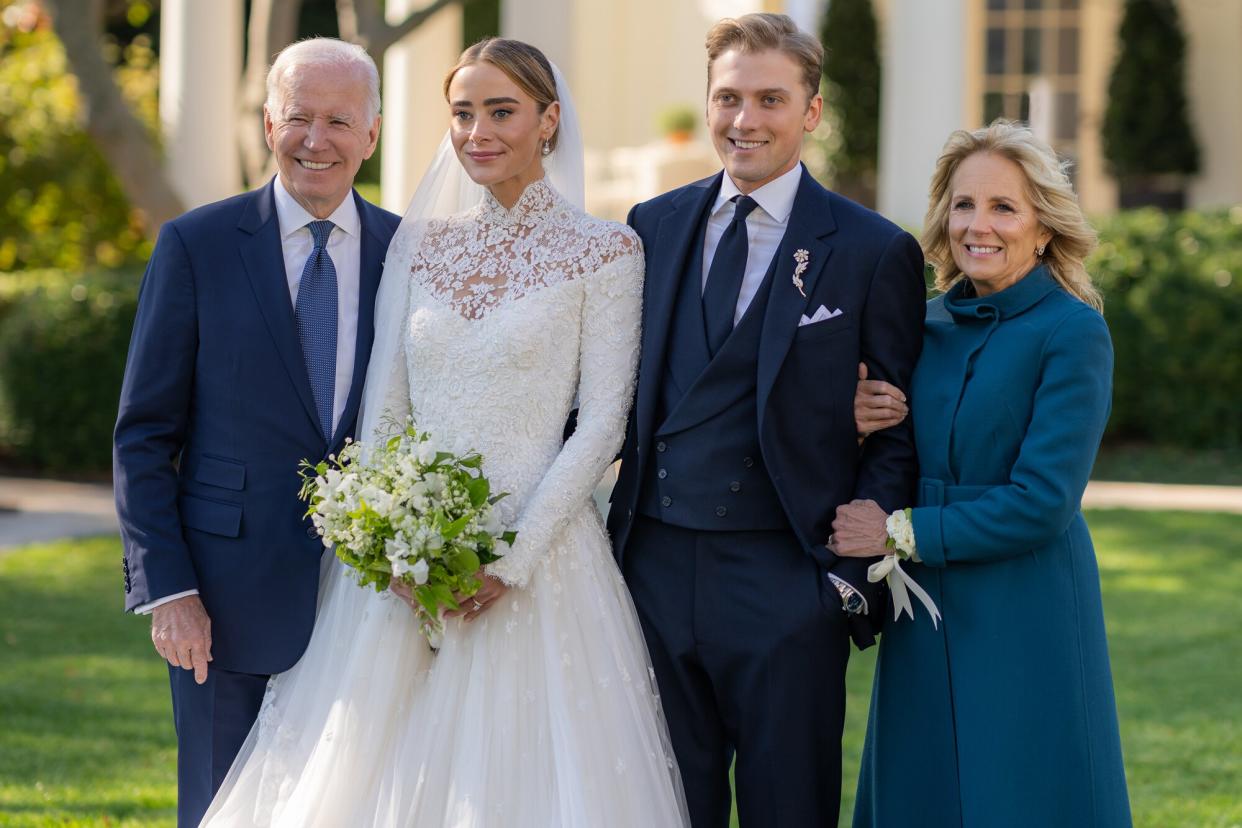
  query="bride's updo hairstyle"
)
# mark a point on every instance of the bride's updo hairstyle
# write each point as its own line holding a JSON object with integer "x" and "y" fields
{"x": 522, "y": 63}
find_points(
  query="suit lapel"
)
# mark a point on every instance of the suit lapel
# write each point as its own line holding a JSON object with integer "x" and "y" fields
{"x": 675, "y": 238}
{"x": 264, "y": 261}
{"x": 810, "y": 223}
{"x": 372, "y": 249}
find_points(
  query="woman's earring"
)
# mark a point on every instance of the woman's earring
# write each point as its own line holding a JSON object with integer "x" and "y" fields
{"x": 547, "y": 148}
{"x": 1039, "y": 251}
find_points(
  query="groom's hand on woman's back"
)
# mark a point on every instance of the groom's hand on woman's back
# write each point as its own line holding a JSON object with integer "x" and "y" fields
{"x": 181, "y": 633}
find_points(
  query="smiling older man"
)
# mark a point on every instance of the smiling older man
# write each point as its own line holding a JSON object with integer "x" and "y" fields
{"x": 249, "y": 350}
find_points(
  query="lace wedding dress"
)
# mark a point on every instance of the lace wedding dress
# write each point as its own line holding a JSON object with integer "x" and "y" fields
{"x": 542, "y": 713}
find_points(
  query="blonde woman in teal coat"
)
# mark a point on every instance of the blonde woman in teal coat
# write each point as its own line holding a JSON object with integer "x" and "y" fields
{"x": 1001, "y": 713}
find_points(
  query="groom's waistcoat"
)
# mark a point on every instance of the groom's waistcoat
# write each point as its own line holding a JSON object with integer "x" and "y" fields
{"x": 706, "y": 470}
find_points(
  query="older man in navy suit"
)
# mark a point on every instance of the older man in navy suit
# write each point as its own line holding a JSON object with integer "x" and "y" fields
{"x": 249, "y": 350}
{"x": 764, "y": 292}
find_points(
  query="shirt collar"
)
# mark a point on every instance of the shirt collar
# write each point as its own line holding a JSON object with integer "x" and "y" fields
{"x": 293, "y": 216}
{"x": 776, "y": 197}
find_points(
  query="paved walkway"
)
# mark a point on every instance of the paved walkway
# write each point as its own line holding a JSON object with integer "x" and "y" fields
{"x": 32, "y": 511}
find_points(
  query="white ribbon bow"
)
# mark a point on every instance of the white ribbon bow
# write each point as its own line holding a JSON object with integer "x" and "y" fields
{"x": 898, "y": 581}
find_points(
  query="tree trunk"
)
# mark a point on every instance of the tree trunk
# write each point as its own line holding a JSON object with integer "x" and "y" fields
{"x": 123, "y": 140}
{"x": 272, "y": 26}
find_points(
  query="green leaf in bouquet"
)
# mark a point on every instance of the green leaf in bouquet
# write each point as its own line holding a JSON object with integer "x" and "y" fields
{"x": 494, "y": 499}
{"x": 443, "y": 595}
{"x": 471, "y": 461}
{"x": 454, "y": 528}
{"x": 463, "y": 561}
{"x": 441, "y": 456}
{"x": 509, "y": 537}
{"x": 426, "y": 598}
{"x": 479, "y": 489}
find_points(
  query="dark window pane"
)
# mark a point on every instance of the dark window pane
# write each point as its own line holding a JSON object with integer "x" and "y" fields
{"x": 1066, "y": 126}
{"x": 1067, "y": 51}
{"x": 1069, "y": 4}
{"x": 1031, "y": 42}
{"x": 993, "y": 107}
{"x": 996, "y": 51}
{"x": 1034, "y": 5}
{"x": 997, "y": 5}
{"x": 1023, "y": 107}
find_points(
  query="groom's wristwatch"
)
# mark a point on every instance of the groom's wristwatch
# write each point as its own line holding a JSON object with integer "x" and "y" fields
{"x": 852, "y": 600}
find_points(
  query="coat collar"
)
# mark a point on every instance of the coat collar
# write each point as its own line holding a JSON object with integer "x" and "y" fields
{"x": 1016, "y": 299}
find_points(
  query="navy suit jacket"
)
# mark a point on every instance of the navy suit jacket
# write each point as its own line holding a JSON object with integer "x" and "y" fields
{"x": 216, "y": 412}
{"x": 858, "y": 262}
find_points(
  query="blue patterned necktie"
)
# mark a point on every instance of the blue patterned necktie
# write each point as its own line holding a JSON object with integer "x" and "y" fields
{"x": 724, "y": 277}
{"x": 315, "y": 315}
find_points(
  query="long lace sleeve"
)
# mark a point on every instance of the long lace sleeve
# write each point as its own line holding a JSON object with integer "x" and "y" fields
{"x": 608, "y": 354}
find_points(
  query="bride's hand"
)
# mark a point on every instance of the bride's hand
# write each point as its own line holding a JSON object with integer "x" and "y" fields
{"x": 472, "y": 607}
{"x": 405, "y": 593}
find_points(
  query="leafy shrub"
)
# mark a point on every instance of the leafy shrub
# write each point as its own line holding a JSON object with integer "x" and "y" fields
{"x": 60, "y": 204}
{"x": 63, "y": 340}
{"x": 1173, "y": 300}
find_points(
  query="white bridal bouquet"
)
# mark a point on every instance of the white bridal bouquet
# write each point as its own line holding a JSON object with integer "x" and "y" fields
{"x": 404, "y": 509}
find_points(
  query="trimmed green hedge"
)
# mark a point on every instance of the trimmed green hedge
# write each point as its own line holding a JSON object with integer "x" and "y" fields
{"x": 63, "y": 340}
{"x": 1173, "y": 300}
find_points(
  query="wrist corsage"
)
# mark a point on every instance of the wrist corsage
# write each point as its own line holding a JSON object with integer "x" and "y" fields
{"x": 900, "y": 528}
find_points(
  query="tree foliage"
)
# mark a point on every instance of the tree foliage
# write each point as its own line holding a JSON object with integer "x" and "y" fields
{"x": 1146, "y": 129}
{"x": 852, "y": 89}
{"x": 60, "y": 203}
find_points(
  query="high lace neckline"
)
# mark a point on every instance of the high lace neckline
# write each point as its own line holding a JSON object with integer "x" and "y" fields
{"x": 537, "y": 202}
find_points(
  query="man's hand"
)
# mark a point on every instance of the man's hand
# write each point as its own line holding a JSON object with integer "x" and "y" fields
{"x": 877, "y": 404}
{"x": 181, "y": 633}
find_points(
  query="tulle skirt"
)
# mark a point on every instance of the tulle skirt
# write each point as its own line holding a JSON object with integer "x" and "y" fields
{"x": 543, "y": 713}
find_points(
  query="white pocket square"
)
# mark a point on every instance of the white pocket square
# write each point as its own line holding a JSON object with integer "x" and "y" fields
{"x": 819, "y": 316}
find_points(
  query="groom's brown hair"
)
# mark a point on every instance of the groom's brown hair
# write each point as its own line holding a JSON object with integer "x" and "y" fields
{"x": 762, "y": 31}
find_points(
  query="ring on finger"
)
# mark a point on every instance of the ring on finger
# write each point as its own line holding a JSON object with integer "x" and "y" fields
{"x": 477, "y": 605}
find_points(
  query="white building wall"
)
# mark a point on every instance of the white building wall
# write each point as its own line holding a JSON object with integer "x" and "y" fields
{"x": 202, "y": 48}
{"x": 922, "y": 100}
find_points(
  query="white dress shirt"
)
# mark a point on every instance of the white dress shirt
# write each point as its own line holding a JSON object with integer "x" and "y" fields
{"x": 345, "y": 248}
{"x": 765, "y": 227}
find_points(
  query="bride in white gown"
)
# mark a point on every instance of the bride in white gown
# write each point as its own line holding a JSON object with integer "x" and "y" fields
{"x": 498, "y": 307}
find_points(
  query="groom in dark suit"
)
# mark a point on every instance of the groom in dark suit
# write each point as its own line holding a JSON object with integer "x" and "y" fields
{"x": 249, "y": 351}
{"x": 764, "y": 292}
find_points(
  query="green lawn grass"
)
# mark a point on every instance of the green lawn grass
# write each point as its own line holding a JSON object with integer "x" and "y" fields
{"x": 86, "y": 736}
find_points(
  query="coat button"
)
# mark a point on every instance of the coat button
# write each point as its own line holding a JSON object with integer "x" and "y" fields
{"x": 660, "y": 446}
{"x": 735, "y": 486}
{"x": 666, "y": 501}
{"x": 748, "y": 462}
{"x": 721, "y": 511}
{"x": 311, "y": 532}
{"x": 662, "y": 473}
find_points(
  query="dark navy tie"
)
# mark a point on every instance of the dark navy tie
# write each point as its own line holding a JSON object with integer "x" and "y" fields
{"x": 315, "y": 315}
{"x": 724, "y": 277}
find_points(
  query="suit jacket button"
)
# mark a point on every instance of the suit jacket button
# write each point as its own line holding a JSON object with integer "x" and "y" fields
{"x": 666, "y": 501}
{"x": 721, "y": 511}
{"x": 660, "y": 446}
{"x": 735, "y": 486}
{"x": 662, "y": 473}
{"x": 311, "y": 532}
{"x": 748, "y": 462}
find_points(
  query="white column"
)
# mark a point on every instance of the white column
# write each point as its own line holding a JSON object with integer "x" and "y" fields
{"x": 415, "y": 113}
{"x": 547, "y": 24}
{"x": 200, "y": 64}
{"x": 1213, "y": 69}
{"x": 922, "y": 100}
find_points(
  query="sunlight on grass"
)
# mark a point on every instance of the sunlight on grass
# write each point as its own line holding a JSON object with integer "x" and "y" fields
{"x": 86, "y": 736}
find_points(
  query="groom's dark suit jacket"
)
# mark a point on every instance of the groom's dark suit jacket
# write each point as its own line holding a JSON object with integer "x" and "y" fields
{"x": 216, "y": 411}
{"x": 857, "y": 262}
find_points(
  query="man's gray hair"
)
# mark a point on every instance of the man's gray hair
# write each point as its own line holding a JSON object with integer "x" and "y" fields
{"x": 325, "y": 51}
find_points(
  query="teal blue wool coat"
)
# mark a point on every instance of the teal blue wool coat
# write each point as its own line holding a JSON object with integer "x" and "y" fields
{"x": 1005, "y": 715}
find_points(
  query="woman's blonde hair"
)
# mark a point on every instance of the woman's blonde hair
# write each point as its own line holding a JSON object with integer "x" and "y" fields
{"x": 1049, "y": 189}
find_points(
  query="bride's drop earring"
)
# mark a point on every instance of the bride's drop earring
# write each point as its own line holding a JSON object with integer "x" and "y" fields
{"x": 547, "y": 148}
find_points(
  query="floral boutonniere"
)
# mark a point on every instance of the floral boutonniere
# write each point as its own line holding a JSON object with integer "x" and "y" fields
{"x": 803, "y": 258}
